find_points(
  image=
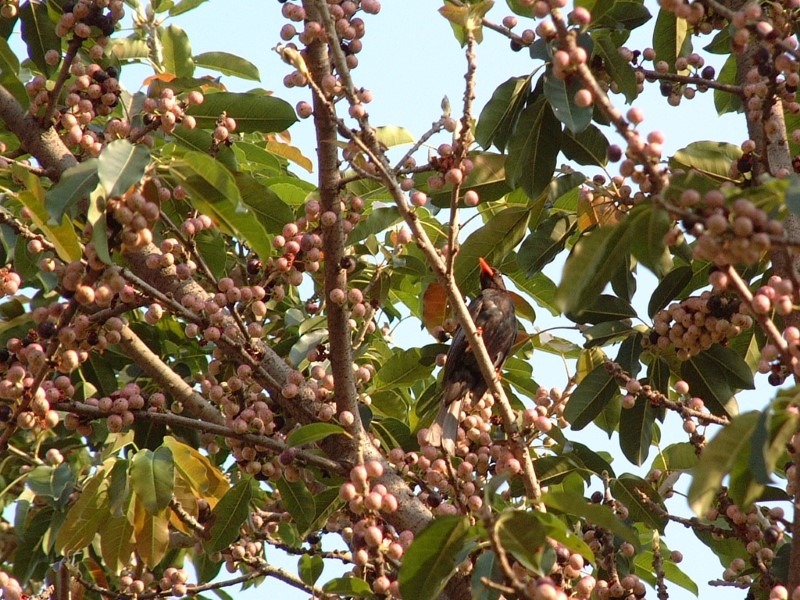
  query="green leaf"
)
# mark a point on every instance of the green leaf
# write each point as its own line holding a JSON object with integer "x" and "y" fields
{"x": 539, "y": 287}
{"x": 177, "y": 51}
{"x": 754, "y": 466}
{"x": 676, "y": 457}
{"x": 214, "y": 191}
{"x": 272, "y": 212}
{"x": 121, "y": 165}
{"x": 710, "y": 158}
{"x": 252, "y": 112}
{"x": 561, "y": 95}
{"x": 184, "y": 6}
{"x": 404, "y": 368}
{"x": 671, "y": 38}
{"x": 380, "y": 219}
{"x": 606, "y": 332}
{"x": 773, "y": 432}
{"x": 548, "y": 240}
{"x": 229, "y": 514}
{"x": 62, "y": 236}
{"x": 658, "y": 374}
{"x": 533, "y": 148}
{"x": 493, "y": 241}
{"x": 717, "y": 460}
{"x": 669, "y": 288}
{"x": 38, "y": 33}
{"x": 254, "y": 153}
{"x": 313, "y": 432}
{"x": 348, "y": 586}
{"x": 469, "y": 18}
{"x": 605, "y": 308}
{"x": 85, "y": 516}
{"x": 618, "y": 68}
{"x": 598, "y": 514}
{"x": 721, "y": 43}
{"x": 636, "y": 430}
{"x": 726, "y": 102}
{"x": 500, "y": 114}
{"x": 522, "y": 535}
{"x": 306, "y": 342}
{"x": 75, "y": 183}
{"x": 632, "y": 491}
{"x": 31, "y": 538}
{"x": 228, "y": 64}
{"x": 629, "y": 352}
{"x": 9, "y": 73}
{"x": 714, "y": 386}
{"x": 201, "y": 141}
{"x": 628, "y": 15}
{"x": 116, "y": 538}
{"x": 487, "y": 567}
{"x": 430, "y": 561}
{"x": 590, "y": 397}
{"x": 124, "y": 49}
{"x": 153, "y": 478}
{"x": 310, "y": 568}
{"x": 96, "y": 217}
{"x": 391, "y": 136}
{"x": 298, "y": 501}
{"x": 50, "y": 482}
{"x": 651, "y": 224}
{"x": 644, "y": 563}
{"x": 588, "y": 148}
{"x": 488, "y": 179}
{"x": 732, "y": 365}
{"x": 591, "y": 265}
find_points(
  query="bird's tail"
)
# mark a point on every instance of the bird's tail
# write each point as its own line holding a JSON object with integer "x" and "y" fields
{"x": 444, "y": 430}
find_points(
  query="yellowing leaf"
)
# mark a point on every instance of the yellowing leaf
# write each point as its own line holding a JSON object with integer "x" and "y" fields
{"x": 185, "y": 495}
{"x": 434, "y": 306}
{"x": 152, "y": 534}
{"x": 291, "y": 153}
{"x": 62, "y": 235}
{"x": 196, "y": 470}
{"x": 116, "y": 538}
{"x": 153, "y": 478}
{"x": 85, "y": 517}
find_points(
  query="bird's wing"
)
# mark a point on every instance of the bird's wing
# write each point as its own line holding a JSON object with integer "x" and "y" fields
{"x": 459, "y": 369}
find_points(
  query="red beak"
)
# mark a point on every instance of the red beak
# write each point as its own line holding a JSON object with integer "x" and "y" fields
{"x": 485, "y": 266}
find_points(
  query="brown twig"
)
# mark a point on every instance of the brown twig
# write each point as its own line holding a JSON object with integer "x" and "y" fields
{"x": 173, "y": 420}
{"x": 650, "y": 75}
{"x": 333, "y": 237}
{"x": 656, "y": 398}
{"x": 740, "y": 287}
{"x": 52, "y": 97}
{"x": 502, "y": 559}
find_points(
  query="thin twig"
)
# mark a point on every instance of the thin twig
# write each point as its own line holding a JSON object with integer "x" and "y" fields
{"x": 736, "y": 90}
{"x": 740, "y": 287}
{"x": 303, "y": 456}
{"x": 52, "y": 97}
{"x": 656, "y": 398}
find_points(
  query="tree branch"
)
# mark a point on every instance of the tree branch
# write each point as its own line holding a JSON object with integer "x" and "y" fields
{"x": 43, "y": 144}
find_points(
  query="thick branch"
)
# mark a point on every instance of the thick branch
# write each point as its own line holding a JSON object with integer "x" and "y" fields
{"x": 172, "y": 383}
{"x": 341, "y": 350}
{"x": 43, "y": 144}
{"x": 794, "y": 557}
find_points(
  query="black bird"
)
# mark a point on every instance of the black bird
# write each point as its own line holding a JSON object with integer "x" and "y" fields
{"x": 492, "y": 311}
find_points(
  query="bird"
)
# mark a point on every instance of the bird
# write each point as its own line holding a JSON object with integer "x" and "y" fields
{"x": 493, "y": 313}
